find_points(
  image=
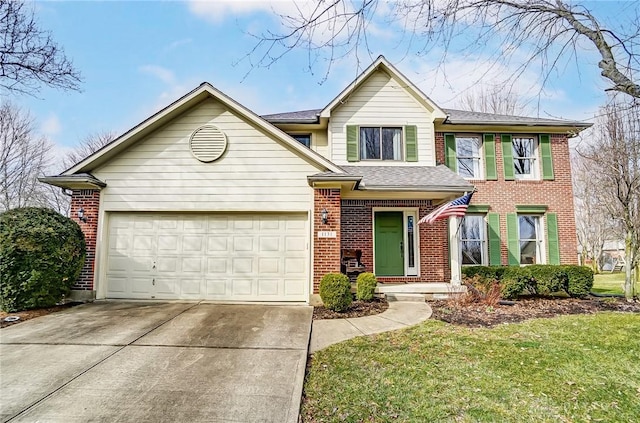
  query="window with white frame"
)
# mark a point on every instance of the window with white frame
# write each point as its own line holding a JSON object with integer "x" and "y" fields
{"x": 380, "y": 143}
{"x": 530, "y": 238}
{"x": 469, "y": 156}
{"x": 524, "y": 157}
{"x": 472, "y": 235}
{"x": 304, "y": 139}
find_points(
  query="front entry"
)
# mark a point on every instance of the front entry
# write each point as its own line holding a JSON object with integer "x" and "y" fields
{"x": 389, "y": 243}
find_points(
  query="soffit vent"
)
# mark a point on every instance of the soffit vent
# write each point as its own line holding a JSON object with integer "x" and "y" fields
{"x": 208, "y": 143}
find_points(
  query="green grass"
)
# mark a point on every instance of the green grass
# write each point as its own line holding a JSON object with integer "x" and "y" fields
{"x": 565, "y": 369}
{"x": 610, "y": 283}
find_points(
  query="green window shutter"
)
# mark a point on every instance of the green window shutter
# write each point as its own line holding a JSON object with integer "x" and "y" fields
{"x": 495, "y": 258}
{"x": 513, "y": 244}
{"x": 507, "y": 157}
{"x": 553, "y": 246}
{"x": 547, "y": 159}
{"x": 450, "y": 152}
{"x": 411, "y": 143}
{"x": 490, "y": 171}
{"x": 353, "y": 154}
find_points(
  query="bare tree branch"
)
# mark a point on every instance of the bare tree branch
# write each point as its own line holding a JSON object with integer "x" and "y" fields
{"x": 541, "y": 33}
{"x": 28, "y": 55}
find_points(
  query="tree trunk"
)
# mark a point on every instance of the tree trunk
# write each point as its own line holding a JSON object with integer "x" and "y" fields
{"x": 628, "y": 269}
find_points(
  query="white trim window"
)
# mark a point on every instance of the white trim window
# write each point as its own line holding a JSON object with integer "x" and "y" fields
{"x": 469, "y": 156}
{"x": 525, "y": 160}
{"x": 472, "y": 236}
{"x": 530, "y": 239}
{"x": 380, "y": 143}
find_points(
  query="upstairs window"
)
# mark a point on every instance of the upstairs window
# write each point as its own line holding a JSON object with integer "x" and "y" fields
{"x": 380, "y": 143}
{"x": 468, "y": 156}
{"x": 304, "y": 139}
{"x": 524, "y": 157}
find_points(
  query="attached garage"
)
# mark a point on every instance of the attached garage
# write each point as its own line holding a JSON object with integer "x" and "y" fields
{"x": 222, "y": 257}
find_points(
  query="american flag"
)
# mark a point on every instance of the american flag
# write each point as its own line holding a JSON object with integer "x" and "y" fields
{"x": 457, "y": 207}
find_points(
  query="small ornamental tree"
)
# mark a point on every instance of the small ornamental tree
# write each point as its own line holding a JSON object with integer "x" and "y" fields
{"x": 335, "y": 291}
{"x": 41, "y": 256}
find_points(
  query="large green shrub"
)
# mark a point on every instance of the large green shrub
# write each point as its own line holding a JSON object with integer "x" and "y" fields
{"x": 41, "y": 255}
{"x": 538, "y": 279}
{"x": 514, "y": 282}
{"x": 487, "y": 272}
{"x": 549, "y": 279}
{"x": 335, "y": 291}
{"x": 366, "y": 286}
{"x": 580, "y": 280}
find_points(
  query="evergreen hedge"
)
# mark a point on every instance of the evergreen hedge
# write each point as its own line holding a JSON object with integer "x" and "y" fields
{"x": 41, "y": 256}
{"x": 538, "y": 279}
{"x": 335, "y": 291}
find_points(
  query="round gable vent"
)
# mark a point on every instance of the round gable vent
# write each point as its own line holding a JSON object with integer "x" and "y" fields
{"x": 207, "y": 143}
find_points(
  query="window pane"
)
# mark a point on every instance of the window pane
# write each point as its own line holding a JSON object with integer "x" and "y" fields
{"x": 471, "y": 252}
{"x": 471, "y": 234}
{"x": 468, "y": 168}
{"x": 527, "y": 227}
{"x": 528, "y": 252}
{"x": 529, "y": 239}
{"x": 304, "y": 139}
{"x": 391, "y": 143}
{"x": 522, "y": 166}
{"x": 523, "y": 147}
{"x": 369, "y": 143}
{"x": 468, "y": 147}
{"x": 410, "y": 241}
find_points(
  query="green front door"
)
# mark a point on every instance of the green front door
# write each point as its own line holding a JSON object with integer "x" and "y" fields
{"x": 389, "y": 248}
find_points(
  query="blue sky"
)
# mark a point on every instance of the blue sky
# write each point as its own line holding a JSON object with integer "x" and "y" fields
{"x": 137, "y": 57}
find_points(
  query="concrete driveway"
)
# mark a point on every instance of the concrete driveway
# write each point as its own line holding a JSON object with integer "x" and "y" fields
{"x": 156, "y": 362}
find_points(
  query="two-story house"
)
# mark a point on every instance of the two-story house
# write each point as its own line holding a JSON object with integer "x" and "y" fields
{"x": 207, "y": 200}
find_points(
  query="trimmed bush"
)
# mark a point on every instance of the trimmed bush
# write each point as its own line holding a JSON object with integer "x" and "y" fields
{"x": 366, "y": 286}
{"x": 515, "y": 281}
{"x": 580, "y": 280}
{"x": 487, "y": 272}
{"x": 41, "y": 255}
{"x": 335, "y": 291}
{"x": 549, "y": 279}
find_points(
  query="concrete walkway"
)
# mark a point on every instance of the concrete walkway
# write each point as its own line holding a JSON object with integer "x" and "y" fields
{"x": 400, "y": 314}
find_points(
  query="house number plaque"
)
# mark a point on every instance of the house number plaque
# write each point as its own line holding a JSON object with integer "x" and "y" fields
{"x": 326, "y": 234}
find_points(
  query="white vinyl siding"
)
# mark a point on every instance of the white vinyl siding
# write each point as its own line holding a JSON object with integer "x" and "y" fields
{"x": 159, "y": 172}
{"x": 381, "y": 101}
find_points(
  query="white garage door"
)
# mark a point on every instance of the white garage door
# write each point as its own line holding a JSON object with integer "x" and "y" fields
{"x": 212, "y": 257}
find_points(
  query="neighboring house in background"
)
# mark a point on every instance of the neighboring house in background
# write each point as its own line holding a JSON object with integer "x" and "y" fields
{"x": 206, "y": 200}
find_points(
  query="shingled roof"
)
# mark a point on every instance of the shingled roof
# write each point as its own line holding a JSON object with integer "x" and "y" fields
{"x": 455, "y": 117}
{"x": 407, "y": 178}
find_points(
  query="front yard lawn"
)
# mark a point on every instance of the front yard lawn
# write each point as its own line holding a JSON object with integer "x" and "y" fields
{"x": 569, "y": 368}
{"x": 610, "y": 283}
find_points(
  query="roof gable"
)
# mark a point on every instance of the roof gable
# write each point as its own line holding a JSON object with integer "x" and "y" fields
{"x": 381, "y": 64}
{"x": 175, "y": 109}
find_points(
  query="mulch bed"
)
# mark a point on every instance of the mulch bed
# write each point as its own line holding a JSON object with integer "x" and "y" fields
{"x": 357, "y": 309}
{"x": 30, "y": 314}
{"x": 480, "y": 315}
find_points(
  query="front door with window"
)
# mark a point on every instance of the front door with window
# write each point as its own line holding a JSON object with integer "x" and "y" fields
{"x": 389, "y": 243}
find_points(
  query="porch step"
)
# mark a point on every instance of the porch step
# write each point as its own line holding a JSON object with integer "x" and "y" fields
{"x": 396, "y": 296}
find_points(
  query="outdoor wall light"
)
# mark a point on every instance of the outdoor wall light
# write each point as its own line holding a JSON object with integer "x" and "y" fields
{"x": 325, "y": 216}
{"x": 81, "y": 215}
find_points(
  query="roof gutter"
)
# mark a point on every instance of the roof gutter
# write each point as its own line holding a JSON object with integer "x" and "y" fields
{"x": 73, "y": 181}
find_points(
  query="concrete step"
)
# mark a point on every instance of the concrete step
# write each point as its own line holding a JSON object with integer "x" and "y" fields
{"x": 398, "y": 296}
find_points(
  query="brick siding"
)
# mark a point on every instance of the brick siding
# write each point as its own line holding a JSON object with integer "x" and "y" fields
{"x": 357, "y": 234}
{"x": 503, "y": 196}
{"x": 89, "y": 200}
{"x": 326, "y": 251}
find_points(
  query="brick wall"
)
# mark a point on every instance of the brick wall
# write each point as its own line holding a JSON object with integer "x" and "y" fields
{"x": 502, "y": 196}
{"x": 357, "y": 234}
{"x": 89, "y": 200}
{"x": 326, "y": 251}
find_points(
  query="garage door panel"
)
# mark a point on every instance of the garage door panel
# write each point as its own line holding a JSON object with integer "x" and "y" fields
{"x": 219, "y": 257}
